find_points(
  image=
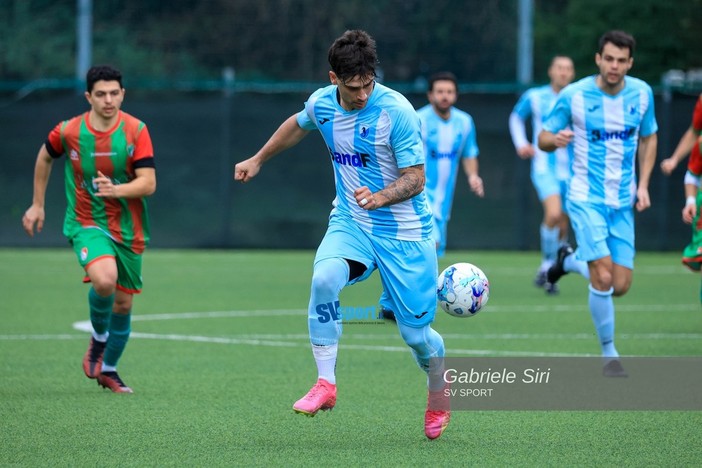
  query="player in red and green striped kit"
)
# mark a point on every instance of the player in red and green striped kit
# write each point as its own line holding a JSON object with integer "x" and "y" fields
{"x": 692, "y": 211}
{"x": 109, "y": 173}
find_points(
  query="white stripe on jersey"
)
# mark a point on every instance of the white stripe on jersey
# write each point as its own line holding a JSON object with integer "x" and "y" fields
{"x": 579, "y": 186}
{"x": 613, "y": 119}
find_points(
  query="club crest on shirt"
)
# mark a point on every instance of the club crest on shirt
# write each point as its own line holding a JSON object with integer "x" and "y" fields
{"x": 74, "y": 155}
{"x": 130, "y": 151}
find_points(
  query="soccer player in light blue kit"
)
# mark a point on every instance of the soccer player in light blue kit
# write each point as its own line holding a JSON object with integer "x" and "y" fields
{"x": 449, "y": 137}
{"x": 613, "y": 120}
{"x": 550, "y": 171}
{"x": 380, "y": 217}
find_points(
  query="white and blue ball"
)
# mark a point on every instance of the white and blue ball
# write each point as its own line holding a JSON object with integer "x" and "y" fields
{"x": 462, "y": 290}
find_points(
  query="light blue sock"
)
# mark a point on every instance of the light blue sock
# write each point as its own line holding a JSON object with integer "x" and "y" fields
{"x": 602, "y": 312}
{"x": 572, "y": 264}
{"x": 324, "y": 321}
{"x": 427, "y": 347}
{"x": 549, "y": 242}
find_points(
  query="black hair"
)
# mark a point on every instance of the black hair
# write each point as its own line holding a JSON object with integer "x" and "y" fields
{"x": 102, "y": 72}
{"x": 620, "y": 39}
{"x": 353, "y": 55}
{"x": 442, "y": 76}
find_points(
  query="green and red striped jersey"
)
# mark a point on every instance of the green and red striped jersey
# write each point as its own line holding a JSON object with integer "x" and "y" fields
{"x": 694, "y": 165}
{"x": 117, "y": 153}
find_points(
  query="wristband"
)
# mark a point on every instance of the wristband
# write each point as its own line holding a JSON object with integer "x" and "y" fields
{"x": 690, "y": 201}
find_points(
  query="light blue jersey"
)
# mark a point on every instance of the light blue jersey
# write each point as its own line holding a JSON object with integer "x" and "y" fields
{"x": 607, "y": 130}
{"x": 536, "y": 103}
{"x": 445, "y": 143}
{"x": 368, "y": 147}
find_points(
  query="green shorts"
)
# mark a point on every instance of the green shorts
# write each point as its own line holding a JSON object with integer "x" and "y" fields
{"x": 91, "y": 244}
{"x": 692, "y": 255}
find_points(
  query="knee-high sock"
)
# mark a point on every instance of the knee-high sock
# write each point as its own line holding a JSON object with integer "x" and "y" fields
{"x": 549, "y": 243}
{"x": 120, "y": 328}
{"x": 427, "y": 347}
{"x": 100, "y": 310}
{"x": 324, "y": 321}
{"x": 602, "y": 312}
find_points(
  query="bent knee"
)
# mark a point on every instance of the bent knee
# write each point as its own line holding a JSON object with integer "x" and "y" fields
{"x": 621, "y": 289}
{"x": 104, "y": 285}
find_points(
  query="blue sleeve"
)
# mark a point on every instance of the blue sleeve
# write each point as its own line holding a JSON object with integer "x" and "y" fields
{"x": 470, "y": 149}
{"x": 523, "y": 106}
{"x": 649, "y": 125}
{"x": 560, "y": 115}
{"x": 305, "y": 118}
{"x": 406, "y": 137}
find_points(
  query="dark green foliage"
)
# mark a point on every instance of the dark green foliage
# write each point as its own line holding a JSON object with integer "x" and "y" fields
{"x": 288, "y": 40}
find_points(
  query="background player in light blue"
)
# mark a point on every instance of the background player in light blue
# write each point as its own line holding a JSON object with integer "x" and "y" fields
{"x": 380, "y": 218}
{"x": 613, "y": 120}
{"x": 449, "y": 137}
{"x": 550, "y": 171}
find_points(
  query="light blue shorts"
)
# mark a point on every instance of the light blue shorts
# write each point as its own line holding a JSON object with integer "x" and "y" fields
{"x": 439, "y": 230}
{"x": 546, "y": 184}
{"x": 602, "y": 231}
{"x": 408, "y": 269}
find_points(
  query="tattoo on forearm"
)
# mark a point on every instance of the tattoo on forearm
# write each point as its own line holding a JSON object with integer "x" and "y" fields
{"x": 409, "y": 184}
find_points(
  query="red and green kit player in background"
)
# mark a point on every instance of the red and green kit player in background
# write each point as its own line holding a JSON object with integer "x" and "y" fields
{"x": 692, "y": 255}
{"x": 109, "y": 171}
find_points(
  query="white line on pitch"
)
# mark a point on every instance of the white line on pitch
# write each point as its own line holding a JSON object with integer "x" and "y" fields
{"x": 489, "y": 308}
{"x": 403, "y": 349}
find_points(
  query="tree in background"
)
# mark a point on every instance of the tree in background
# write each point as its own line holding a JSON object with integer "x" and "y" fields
{"x": 287, "y": 39}
{"x": 665, "y": 33}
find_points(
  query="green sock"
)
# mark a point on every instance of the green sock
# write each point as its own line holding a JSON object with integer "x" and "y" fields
{"x": 120, "y": 327}
{"x": 100, "y": 310}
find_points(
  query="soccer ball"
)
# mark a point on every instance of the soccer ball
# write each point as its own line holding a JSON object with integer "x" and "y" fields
{"x": 462, "y": 290}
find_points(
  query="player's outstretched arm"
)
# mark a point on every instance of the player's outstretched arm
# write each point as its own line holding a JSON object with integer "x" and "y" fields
{"x": 286, "y": 136}
{"x": 687, "y": 141}
{"x": 34, "y": 216}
